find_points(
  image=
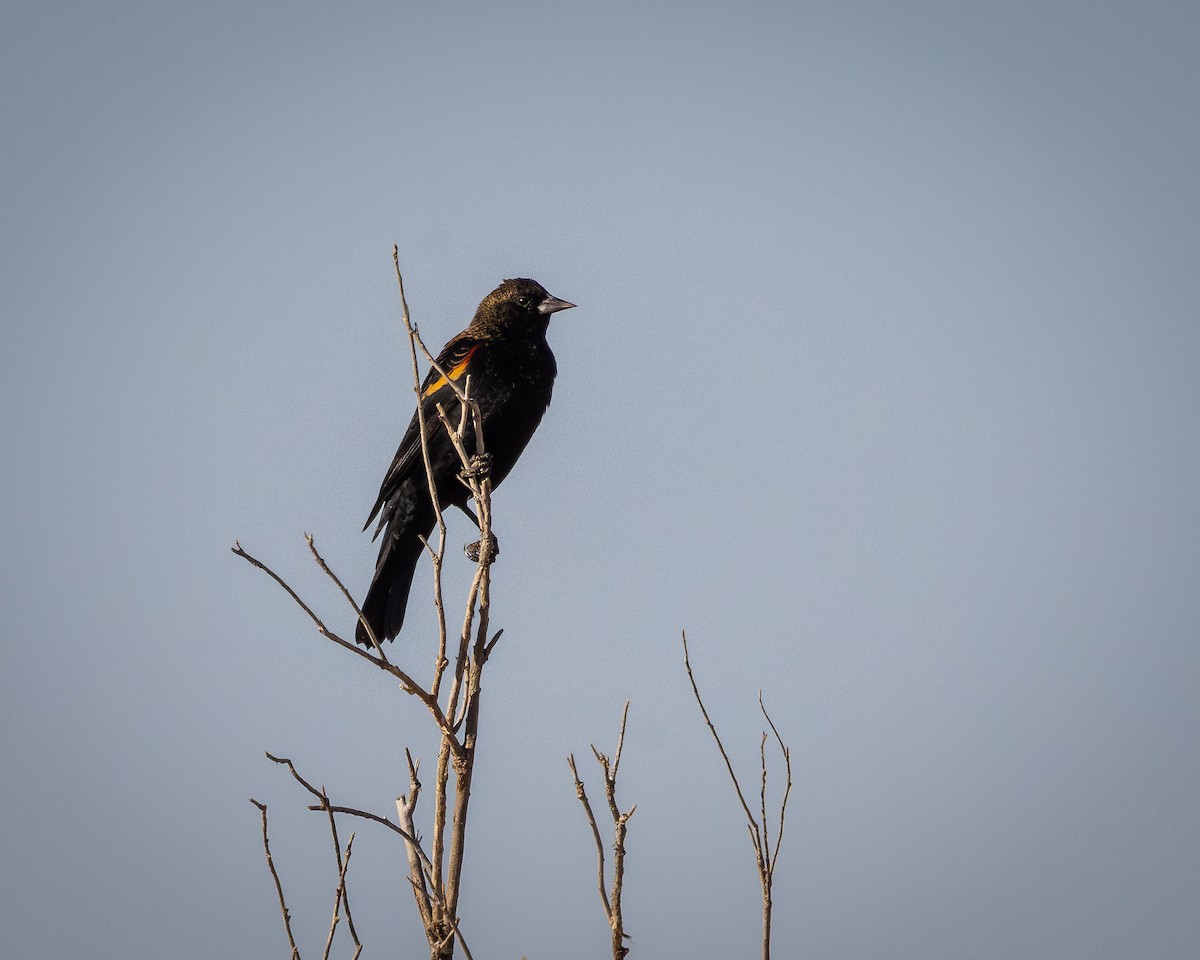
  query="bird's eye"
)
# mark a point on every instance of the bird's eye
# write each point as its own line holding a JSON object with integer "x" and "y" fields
{"x": 523, "y": 301}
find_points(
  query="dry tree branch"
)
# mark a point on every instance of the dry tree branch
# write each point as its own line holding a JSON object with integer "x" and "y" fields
{"x": 343, "y": 866}
{"x": 287, "y": 919}
{"x": 465, "y": 685}
{"x": 759, "y": 831}
{"x": 337, "y": 846}
{"x": 438, "y": 556}
{"x": 349, "y": 599}
{"x": 446, "y": 885}
{"x": 340, "y": 898}
{"x": 406, "y": 805}
{"x": 612, "y": 904}
{"x": 755, "y": 837}
{"x": 407, "y": 683}
{"x": 367, "y": 815}
{"x": 435, "y": 880}
{"x": 787, "y": 791}
{"x": 331, "y": 809}
{"x": 455, "y": 933}
{"x": 762, "y": 793}
{"x": 461, "y": 941}
{"x": 255, "y": 562}
{"x": 581, "y": 793}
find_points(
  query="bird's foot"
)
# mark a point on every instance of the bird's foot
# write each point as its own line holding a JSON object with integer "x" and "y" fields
{"x": 480, "y": 466}
{"x": 489, "y": 548}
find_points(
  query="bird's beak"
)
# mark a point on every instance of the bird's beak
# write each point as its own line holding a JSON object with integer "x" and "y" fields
{"x": 553, "y": 305}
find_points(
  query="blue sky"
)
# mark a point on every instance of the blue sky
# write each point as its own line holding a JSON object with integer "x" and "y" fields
{"x": 882, "y": 384}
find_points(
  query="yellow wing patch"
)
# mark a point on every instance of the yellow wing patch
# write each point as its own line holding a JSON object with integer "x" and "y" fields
{"x": 455, "y": 373}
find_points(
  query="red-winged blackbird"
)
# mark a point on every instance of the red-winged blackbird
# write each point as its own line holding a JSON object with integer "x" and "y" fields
{"x": 511, "y": 369}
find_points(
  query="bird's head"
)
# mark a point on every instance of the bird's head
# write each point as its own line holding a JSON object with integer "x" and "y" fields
{"x": 520, "y": 303}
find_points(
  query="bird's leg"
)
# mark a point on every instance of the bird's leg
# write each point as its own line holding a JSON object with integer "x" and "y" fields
{"x": 480, "y": 466}
{"x": 470, "y": 513}
{"x": 472, "y": 549}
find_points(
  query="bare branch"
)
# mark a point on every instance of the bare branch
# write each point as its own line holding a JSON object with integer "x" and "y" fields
{"x": 319, "y": 794}
{"x": 759, "y": 830}
{"x": 762, "y": 756}
{"x": 581, "y": 793}
{"x": 438, "y": 555}
{"x": 620, "y": 743}
{"x": 368, "y": 815}
{"x": 343, "y": 865}
{"x": 787, "y": 791}
{"x": 436, "y": 881}
{"x": 407, "y": 683}
{"x": 754, "y": 831}
{"x": 287, "y": 920}
{"x": 325, "y": 805}
{"x": 405, "y": 808}
{"x": 339, "y": 897}
{"x": 612, "y": 903}
{"x": 255, "y": 562}
{"x": 349, "y": 599}
{"x": 452, "y": 922}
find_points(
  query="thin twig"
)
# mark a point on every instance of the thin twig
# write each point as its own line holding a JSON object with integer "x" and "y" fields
{"x": 255, "y": 562}
{"x": 339, "y": 898}
{"x": 762, "y": 756}
{"x": 755, "y": 836}
{"x": 346, "y": 593}
{"x": 581, "y": 793}
{"x": 611, "y": 902}
{"x": 787, "y": 791}
{"x": 287, "y": 920}
{"x": 342, "y": 865}
{"x": 408, "y": 684}
{"x": 439, "y": 554}
{"x": 760, "y": 836}
{"x": 331, "y": 809}
{"x": 620, "y": 742}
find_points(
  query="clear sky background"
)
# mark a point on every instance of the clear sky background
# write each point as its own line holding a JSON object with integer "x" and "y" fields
{"x": 884, "y": 384}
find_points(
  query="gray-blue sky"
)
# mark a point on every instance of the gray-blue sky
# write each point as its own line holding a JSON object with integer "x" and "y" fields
{"x": 913, "y": 289}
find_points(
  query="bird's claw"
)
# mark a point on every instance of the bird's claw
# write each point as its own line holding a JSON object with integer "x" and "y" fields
{"x": 480, "y": 466}
{"x": 490, "y": 546}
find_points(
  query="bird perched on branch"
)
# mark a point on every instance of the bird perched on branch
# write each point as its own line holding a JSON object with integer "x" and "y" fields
{"x": 511, "y": 369}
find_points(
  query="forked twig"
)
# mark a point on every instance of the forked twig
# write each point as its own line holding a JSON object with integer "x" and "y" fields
{"x": 339, "y": 899}
{"x": 787, "y": 759}
{"x": 759, "y": 831}
{"x": 325, "y": 805}
{"x": 407, "y": 683}
{"x": 612, "y": 903}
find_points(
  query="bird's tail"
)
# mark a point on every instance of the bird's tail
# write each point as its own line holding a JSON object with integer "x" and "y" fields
{"x": 387, "y": 597}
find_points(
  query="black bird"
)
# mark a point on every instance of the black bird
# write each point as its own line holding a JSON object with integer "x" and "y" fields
{"x": 511, "y": 369}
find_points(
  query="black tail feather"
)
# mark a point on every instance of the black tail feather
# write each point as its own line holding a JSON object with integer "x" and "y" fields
{"x": 387, "y": 597}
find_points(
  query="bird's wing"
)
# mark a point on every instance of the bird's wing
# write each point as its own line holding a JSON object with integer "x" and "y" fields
{"x": 454, "y": 359}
